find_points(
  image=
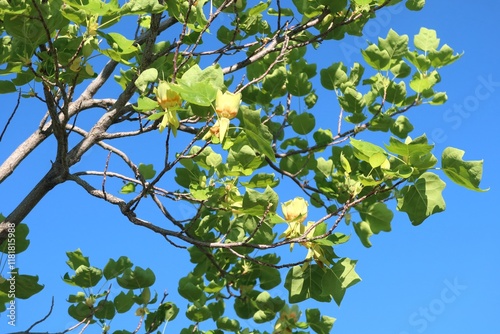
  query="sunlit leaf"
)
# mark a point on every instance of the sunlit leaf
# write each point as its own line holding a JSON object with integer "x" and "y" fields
{"x": 468, "y": 174}
{"x": 423, "y": 198}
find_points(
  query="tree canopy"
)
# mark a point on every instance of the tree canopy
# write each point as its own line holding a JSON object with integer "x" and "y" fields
{"x": 219, "y": 97}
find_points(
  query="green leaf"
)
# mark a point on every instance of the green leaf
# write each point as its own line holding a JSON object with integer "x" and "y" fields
{"x": 199, "y": 93}
{"x": 311, "y": 99}
{"x": 364, "y": 232}
{"x": 298, "y": 84}
{"x": 262, "y": 234}
{"x": 264, "y": 302}
{"x": 262, "y": 180}
{"x": 415, "y": 5}
{"x": 147, "y": 171}
{"x": 17, "y": 241}
{"x": 80, "y": 311}
{"x": 215, "y": 286}
{"x": 144, "y": 297}
{"x": 322, "y": 137}
{"x": 191, "y": 288}
{"x": 337, "y": 280}
{"x": 377, "y": 160}
{"x": 283, "y": 12}
{"x": 426, "y": 40}
{"x": 257, "y": 133}
{"x": 443, "y": 57}
{"x": 256, "y": 203}
{"x": 467, "y": 174}
{"x": 295, "y": 141}
{"x": 325, "y": 166}
{"x": 145, "y": 78}
{"x": 141, "y": 7}
{"x": 165, "y": 312}
{"x": 376, "y": 218}
{"x": 259, "y": 8}
{"x": 76, "y": 259}
{"x": 352, "y": 101}
{"x": 364, "y": 150}
{"x": 79, "y": 297}
{"x": 333, "y": 76}
{"x": 105, "y": 310}
{"x": 375, "y": 57}
{"x": 438, "y": 99}
{"x": 225, "y": 35}
{"x": 242, "y": 160}
{"x": 301, "y": 66}
{"x": 269, "y": 277}
{"x": 416, "y": 153}
{"x": 228, "y": 324}
{"x": 136, "y": 279}
{"x": 303, "y": 123}
{"x": 129, "y": 188}
{"x": 198, "y": 314}
{"x": 7, "y": 86}
{"x": 318, "y": 323}
{"x": 261, "y": 317}
{"x": 124, "y": 301}
{"x": 114, "y": 268}
{"x": 86, "y": 277}
{"x": 275, "y": 82}
{"x": 306, "y": 283}
{"x": 401, "y": 127}
{"x": 25, "y": 285}
{"x": 146, "y": 104}
{"x": 396, "y": 93}
{"x": 395, "y": 45}
{"x": 422, "y": 82}
{"x": 401, "y": 70}
{"x": 217, "y": 309}
{"x": 122, "y": 49}
{"x": 423, "y": 198}
{"x": 345, "y": 163}
{"x": 199, "y": 86}
{"x": 171, "y": 310}
{"x": 154, "y": 320}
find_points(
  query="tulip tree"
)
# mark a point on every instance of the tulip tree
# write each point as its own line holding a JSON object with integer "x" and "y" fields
{"x": 225, "y": 92}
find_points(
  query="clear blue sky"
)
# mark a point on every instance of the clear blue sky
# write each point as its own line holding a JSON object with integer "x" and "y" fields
{"x": 439, "y": 277}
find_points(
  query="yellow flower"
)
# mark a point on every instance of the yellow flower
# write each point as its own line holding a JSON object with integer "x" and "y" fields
{"x": 215, "y": 129}
{"x": 169, "y": 101}
{"x": 218, "y": 130}
{"x": 295, "y": 210}
{"x": 227, "y": 104}
{"x": 166, "y": 97}
{"x": 170, "y": 119}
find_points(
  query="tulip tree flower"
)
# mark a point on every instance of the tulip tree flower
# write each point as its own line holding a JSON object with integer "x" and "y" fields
{"x": 227, "y": 104}
{"x": 287, "y": 320}
{"x": 226, "y": 107}
{"x": 315, "y": 251}
{"x": 169, "y": 101}
{"x": 295, "y": 212}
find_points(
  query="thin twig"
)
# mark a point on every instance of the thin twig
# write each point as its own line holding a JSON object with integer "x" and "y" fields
{"x": 11, "y": 115}
{"x": 44, "y": 318}
{"x": 104, "y": 175}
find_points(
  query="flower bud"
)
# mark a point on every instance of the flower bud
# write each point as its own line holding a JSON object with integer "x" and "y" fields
{"x": 295, "y": 210}
{"x": 227, "y": 104}
{"x": 166, "y": 97}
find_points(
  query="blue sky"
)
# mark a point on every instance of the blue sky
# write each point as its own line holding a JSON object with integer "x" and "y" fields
{"x": 439, "y": 277}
